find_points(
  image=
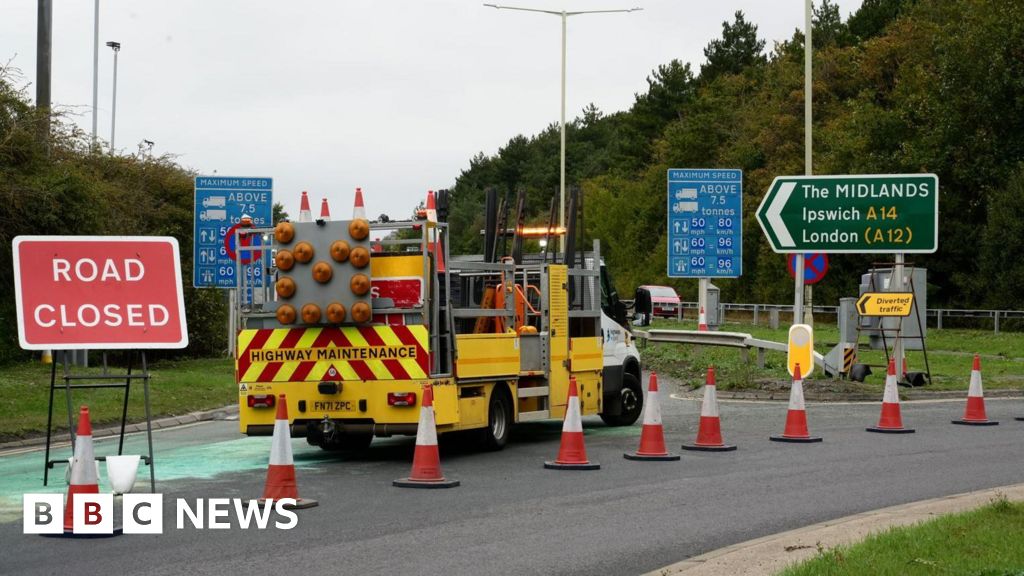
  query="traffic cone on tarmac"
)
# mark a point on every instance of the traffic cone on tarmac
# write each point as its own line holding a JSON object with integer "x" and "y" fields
{"x": 974, "y": 413}
{"x": 426, "y": 462}
{"x": 572, "y": 453}
{"x": 281, "y": 471}
{"x": 358, "y": 209}
{"x": 796, "y": 418}
{"x": 891, "y": 421}
{"x": 325, "y": 211}
{"x": 702, "y": 321}
{"x": 83, "y": 469}
{"x": 305, "y": 215}
{"x": 652, "y": 435}
{"x": 709, "y": 432}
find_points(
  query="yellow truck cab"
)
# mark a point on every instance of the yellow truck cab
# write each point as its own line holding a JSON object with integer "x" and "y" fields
{"x": 350, "y": 328}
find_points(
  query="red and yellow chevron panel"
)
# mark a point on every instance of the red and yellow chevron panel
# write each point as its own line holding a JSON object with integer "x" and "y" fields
{"x": 328, "y": 353}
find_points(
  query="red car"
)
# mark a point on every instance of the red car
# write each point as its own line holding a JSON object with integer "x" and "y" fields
{"x": 664, "y": 299}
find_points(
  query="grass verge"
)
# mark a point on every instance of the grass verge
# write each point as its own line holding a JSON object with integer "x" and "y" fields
{"x": 982, "y": 542}
{"x": 949, "y": 355}
{"x": 176, "y": 387}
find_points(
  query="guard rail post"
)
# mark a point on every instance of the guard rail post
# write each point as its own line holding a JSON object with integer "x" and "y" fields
{"x": 997, "y": 320}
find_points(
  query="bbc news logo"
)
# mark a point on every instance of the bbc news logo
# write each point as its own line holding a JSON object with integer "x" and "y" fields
{"x": 144, "y": 514}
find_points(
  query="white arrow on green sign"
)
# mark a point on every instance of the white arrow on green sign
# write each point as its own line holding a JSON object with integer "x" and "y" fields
{"x": 857, "y": 213}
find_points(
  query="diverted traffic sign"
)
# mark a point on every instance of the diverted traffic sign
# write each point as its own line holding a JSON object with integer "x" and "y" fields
{"x": 100, "y": 292}
{"x": 885, "y": 304}
{"x": 220, "y": 202}
{"x": 858, "y": 214}
{"x": 705, "y": 223}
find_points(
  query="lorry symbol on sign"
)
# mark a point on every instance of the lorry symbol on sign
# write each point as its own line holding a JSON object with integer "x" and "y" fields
{"x": 207, "y": 215}
{"x": 216, "y": 201}
{"x": 680, "y": 207}
{"x": 686, "y": 194}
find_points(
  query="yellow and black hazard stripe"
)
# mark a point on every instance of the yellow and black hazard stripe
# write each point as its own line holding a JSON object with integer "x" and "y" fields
{"x": 849, "y": 358}
{"x": 328, "y": 353}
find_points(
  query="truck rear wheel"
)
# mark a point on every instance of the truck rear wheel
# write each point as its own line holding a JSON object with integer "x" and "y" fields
{"x": 499, "y": 420}
{"x": 631, "y": 401}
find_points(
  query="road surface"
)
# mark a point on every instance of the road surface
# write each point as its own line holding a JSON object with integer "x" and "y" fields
{"x": 511, "y": 516}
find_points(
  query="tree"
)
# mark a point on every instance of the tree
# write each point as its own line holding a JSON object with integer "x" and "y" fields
{"x": 829, "y": 28}
{"x": 873, "y": 16}
{"x": 737, "y": 49}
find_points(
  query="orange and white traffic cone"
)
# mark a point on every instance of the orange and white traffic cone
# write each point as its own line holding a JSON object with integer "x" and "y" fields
{"x": 358, "y": 209}
{"x": 652, "y": 435}
{"x": 426, "y": 461}
{"x": 434, "y": 246}
{"x": 796, "y": 419}
{"x": 305, "y": 215}
{"x": 974, "y": 413}
{"x": 891, "y": 421}
{"x": 709, "y": 432}
{"x": 83, "y": 469}
{"x": 281, "y": 471}
{"x": 325, "y": 211}
{"x": 702, "y": 321}
{"x": 572, "y": 453}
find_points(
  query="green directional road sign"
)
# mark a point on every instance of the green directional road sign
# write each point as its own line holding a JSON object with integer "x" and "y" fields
{"x": 860, "y": 213}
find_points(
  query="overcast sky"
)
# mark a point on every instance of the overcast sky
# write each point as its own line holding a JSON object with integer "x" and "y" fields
{"x": 327, "y": 95}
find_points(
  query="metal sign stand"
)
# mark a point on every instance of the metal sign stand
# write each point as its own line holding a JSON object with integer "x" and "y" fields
{"x": 896, "y": 285}
{"x": 105, "y": 379}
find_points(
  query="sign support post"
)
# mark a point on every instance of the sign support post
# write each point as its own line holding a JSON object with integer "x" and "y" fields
{"x": 897, "y": 286}
{"x": 91, "y": 381}
{"x": 232, "y": 322}
{"x": 702, "y": 296}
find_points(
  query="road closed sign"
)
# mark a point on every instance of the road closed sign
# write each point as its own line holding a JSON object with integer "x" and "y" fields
{"x": 99, "y": 292}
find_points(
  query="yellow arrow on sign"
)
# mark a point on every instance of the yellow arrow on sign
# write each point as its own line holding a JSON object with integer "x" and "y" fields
{"x": 885, "y": 303}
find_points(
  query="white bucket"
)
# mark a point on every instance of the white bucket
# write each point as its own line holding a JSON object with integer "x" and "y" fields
{"x": 122, "y": 471}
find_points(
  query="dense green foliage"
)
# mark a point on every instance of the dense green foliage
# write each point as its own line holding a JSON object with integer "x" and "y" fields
{"x": 57, "y": 185}
{"x": 901, "y": 86}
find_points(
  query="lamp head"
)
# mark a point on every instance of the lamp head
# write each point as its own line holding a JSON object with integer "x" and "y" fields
{"x": 115, "y": 45}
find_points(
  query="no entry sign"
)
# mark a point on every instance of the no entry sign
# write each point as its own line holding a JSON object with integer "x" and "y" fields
{"x": 98, "y": 292}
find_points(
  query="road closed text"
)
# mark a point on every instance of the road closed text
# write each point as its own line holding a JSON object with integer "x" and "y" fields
{"x": 88, "y": 270}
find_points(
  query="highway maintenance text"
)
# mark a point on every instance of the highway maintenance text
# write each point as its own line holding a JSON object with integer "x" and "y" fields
{"x": 307, "y": 354}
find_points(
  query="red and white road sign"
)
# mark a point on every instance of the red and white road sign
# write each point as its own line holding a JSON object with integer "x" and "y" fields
{"x": 405, "y": 292}
{"x": 99, "y": 292}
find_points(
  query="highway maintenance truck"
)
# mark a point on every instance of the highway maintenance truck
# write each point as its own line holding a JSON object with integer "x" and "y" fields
{"x": 350, "y": 325}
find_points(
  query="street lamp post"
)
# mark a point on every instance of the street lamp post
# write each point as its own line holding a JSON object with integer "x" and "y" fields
{"x": 798, "y": 299}
{"x": 95, "y": 66}
{"x": 565, "y": 16}
{"x": 116, "y": 47}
